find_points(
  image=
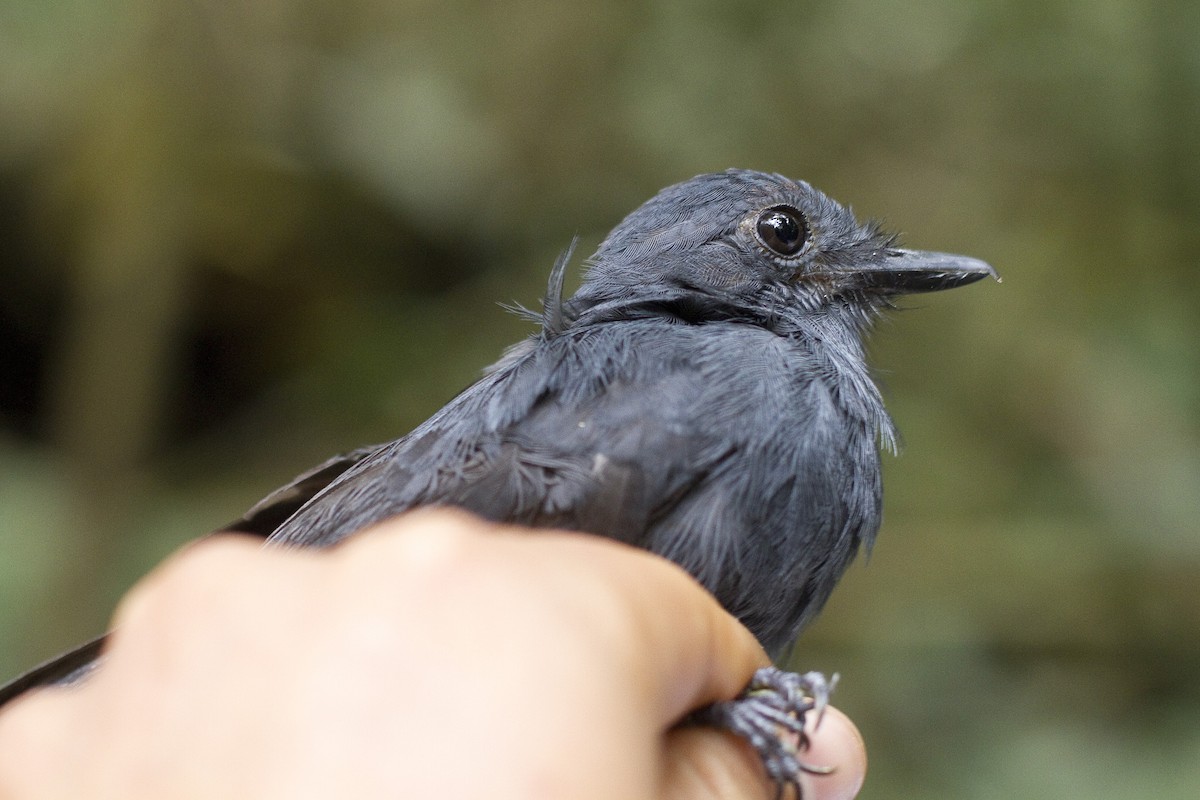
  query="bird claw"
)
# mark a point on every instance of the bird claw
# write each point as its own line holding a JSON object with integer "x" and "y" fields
{"x": 770, "y": 714}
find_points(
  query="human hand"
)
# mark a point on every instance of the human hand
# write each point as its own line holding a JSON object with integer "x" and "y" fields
{"x": 438, "y": 656}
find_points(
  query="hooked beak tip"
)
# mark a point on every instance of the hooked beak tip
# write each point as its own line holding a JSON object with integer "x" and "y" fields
{"x": 912, "y": 271}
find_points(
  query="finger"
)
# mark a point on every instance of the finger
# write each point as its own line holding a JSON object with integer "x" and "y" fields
{"x": 710, "y": 764}
{"x": 37, "y": 749}
{"x": 681, "y": 648}
{"x": 835, "y": 743}
{"x": 203, "y": 568}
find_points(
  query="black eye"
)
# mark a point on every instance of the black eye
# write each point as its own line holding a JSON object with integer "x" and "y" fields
{"x": 783, "y": 229}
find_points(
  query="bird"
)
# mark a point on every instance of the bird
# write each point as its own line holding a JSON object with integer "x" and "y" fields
{"x": 704, "y": 395}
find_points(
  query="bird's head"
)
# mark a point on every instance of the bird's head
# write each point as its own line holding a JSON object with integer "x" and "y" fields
{"x": 740, "y": 242}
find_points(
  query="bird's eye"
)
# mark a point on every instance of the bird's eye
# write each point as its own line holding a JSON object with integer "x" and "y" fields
{"x": 782, "y": 229}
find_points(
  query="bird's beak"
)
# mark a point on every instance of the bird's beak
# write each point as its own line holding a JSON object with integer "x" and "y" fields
{"x": 909, "y": 271}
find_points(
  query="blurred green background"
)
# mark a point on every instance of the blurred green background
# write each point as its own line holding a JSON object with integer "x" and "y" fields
{"x": 236, "y": 238}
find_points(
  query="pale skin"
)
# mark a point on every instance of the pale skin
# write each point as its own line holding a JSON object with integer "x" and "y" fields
{"x": 439, "y": 656}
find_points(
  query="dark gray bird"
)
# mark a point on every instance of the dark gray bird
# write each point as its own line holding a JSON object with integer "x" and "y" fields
{"x": 704, "y": 395}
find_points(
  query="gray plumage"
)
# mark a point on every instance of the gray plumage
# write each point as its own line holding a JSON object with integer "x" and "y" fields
{"x": 703, "y": 395}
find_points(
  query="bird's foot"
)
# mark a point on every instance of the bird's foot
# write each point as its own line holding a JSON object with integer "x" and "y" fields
{"x": 770, "y": 714}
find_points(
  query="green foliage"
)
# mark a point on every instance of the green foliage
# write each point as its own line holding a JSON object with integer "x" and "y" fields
{"x": 239, "y": 238}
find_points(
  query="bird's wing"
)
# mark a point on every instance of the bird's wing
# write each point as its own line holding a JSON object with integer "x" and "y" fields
{"x": 694, "y": 444}
{"x": 562, "y": 437}
{"x": 65, "y": 668}
{"x": 269, "y": 513}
